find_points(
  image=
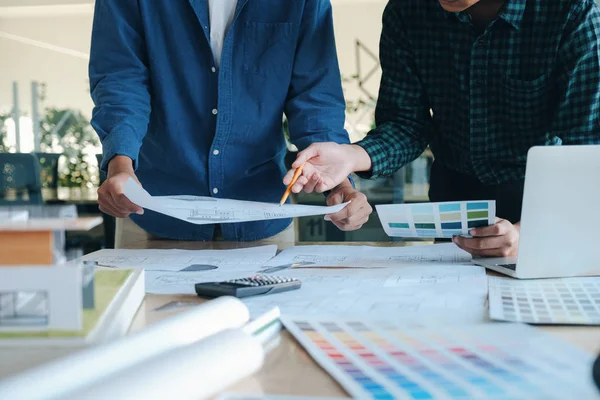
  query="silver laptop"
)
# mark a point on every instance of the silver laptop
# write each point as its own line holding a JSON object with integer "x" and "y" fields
{"x": 560, "y": 220}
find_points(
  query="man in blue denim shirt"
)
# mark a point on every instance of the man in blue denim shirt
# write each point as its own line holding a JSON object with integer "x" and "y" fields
{"x": 190, "y": 96}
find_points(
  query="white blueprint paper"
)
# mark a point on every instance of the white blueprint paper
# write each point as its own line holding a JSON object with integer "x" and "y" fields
{"x": 424, "y": 283}
{"x": 209, "y": 210}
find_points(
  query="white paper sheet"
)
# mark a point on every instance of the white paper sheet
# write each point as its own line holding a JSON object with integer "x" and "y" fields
{"x": 176, "y": 271}
{"x": 209, "y": 210}
{"x": 365, "y": 256}
{"x": 434, "y": 282}
{"x": 353, "y": 292}
{"x": 436, "y": 220}
{"x": 422, "y": 282}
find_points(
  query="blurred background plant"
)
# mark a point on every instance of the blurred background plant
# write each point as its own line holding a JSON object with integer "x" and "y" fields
{"x": 68, "y": 132}
{"x": 4, "y": 147}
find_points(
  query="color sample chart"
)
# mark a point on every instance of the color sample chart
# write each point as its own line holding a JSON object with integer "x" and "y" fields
{"x": 570, "y": 301}
{"x": 435, "y": 220}
{"x": 382, "y": 360}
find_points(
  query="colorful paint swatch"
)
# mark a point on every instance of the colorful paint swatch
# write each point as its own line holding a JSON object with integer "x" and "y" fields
{"x": 570, "y": 301}
{"x": 384, "y": 360}
{"x": 436, "y": 220}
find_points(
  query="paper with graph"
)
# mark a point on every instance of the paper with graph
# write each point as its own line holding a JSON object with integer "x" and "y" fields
{"x": 209, "y": 210}
{"x": 176, "y": 271}
{"x": 436, "y": 220}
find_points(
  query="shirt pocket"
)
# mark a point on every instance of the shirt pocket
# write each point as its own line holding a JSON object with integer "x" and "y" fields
{"x": 524, "y": 104}
{"x": 268, "y": 47}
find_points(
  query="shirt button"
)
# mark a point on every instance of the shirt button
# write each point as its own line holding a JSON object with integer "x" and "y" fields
{"x": 215, "y": 190}
{"x": 213, "y": 69}
{"x": 216, "y": 152}
{"x": 215, "y": 111}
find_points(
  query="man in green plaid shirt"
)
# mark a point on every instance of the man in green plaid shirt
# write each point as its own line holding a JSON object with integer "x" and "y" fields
{"x": 480, "y": 82}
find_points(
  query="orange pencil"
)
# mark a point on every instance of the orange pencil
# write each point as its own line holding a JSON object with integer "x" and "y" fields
{"x": 292, "y": 183}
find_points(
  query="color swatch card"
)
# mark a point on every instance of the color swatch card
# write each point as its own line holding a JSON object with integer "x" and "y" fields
{"x": 382, "y": 360}
{"x": 570, "y": 301}
{"x": 436, "y": 220}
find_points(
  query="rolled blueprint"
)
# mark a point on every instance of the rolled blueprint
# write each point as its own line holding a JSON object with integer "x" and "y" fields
{"x": 193, "y": 372}
{"x": 84, "y": 367}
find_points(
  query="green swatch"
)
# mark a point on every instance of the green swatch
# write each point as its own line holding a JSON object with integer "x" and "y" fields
{"x": 477, "y": 214}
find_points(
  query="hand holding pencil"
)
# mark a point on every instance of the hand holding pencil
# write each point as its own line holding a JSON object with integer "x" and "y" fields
{"x": 292, "y": 183}
{"x": 324, "y": 166}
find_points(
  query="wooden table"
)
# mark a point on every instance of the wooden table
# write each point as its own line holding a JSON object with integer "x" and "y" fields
{"x": 288, "y": 369}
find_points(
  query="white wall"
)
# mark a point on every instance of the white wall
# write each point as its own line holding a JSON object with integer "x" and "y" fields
{"x": 358, "y": 20}
{"x": 64, "y": 74}
{"x": 29, "y": 3}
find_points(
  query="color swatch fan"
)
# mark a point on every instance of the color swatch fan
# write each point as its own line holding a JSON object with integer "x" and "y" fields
{"x": 570, "y": 301}
{"x": 436, "y": 220}
{"x": 381, "y": 360}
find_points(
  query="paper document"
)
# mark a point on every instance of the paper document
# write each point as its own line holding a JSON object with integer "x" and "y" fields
{"x": 567, "y": 301}
{"x": 209, "y": 210}
{"x": 383, "y": 293}
{"x": 365, "y": 256}
{"x": 176, "y": 271}
{"x": 435, "y": 282}
{"x": 436, "y": 220}
{"x": 385, "y": 359}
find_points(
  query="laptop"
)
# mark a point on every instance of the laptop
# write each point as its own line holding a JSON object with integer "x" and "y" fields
{"x": 560, "y": 218}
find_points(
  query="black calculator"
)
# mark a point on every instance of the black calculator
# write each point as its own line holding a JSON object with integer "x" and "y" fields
{"x": 245, "y": 287}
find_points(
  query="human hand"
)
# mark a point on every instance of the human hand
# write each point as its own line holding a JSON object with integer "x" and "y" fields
{"x": 355, "y": 214}
{"x": 327, "y": 165}
{"x": 111, "y": 199}
{"x": 498, "y": 240}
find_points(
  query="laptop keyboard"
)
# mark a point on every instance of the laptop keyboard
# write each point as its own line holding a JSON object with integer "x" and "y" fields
{"x": 508, "y": 266}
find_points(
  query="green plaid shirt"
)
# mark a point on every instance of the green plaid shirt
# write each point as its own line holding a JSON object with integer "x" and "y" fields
{"x": 532, "y": 78}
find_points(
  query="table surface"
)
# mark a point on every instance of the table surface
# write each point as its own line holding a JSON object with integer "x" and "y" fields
{"x": 287, "y": 360}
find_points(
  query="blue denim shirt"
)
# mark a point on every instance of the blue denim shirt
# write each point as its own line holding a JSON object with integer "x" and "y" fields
{"x": 194, "y": 129}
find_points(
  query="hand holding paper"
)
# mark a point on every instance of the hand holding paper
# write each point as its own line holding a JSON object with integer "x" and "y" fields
{"x": 111, "y": 198}
{"x": 209, "y": 210}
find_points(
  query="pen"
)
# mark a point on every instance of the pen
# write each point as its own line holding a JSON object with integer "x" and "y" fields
{"x": 292, "y": 183}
